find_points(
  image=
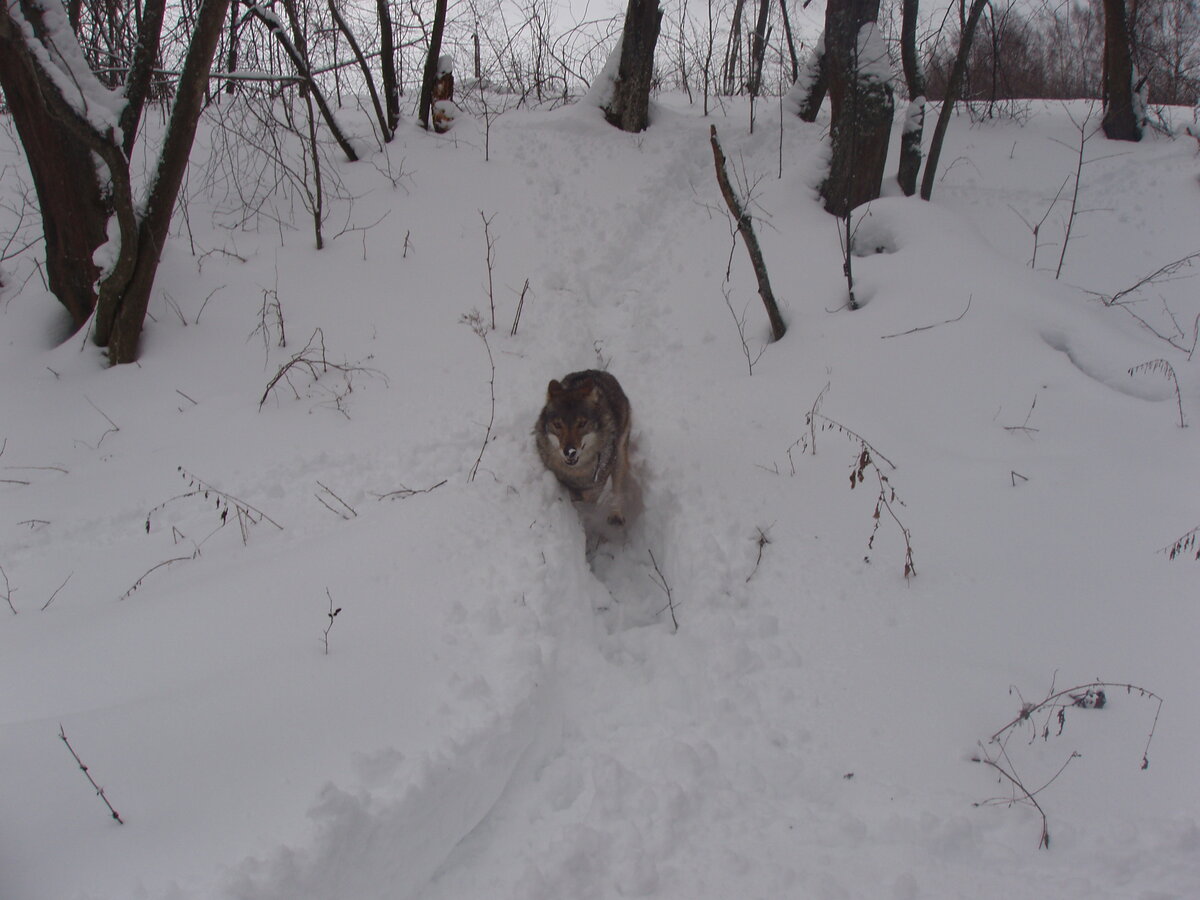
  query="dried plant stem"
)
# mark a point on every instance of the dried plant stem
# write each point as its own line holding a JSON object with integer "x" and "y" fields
{"x": 333, "y": 614}
{"x": 46, "y": 605}
{"x": 475, "y": 320}
{"x": 7, "y": 591}
{"x": 661, "y": 580}
{"x": 84, "y": 769}
{"x": 1162, "y": 367}
{"x": 490, "y": 259}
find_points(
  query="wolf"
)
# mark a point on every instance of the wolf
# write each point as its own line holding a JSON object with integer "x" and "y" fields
{"x": 583, "y": 437}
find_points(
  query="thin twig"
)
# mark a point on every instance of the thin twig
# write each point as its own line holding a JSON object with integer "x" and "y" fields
{"x": 46, "y": 605}
{"x": 403, "y": 493}
{"x": 970, "y": 297}
{"x": 662, "y": 583}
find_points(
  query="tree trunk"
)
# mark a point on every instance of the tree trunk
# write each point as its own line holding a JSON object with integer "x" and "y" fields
{"x": 746, "y": 228}
{"x": 387, "y": 65}
{"x": 65, "y": 150}
{"x": 130, "y": 312}
{"x": 812, "y": 86}
{"x": 914, "y": 121}
{"x": 141, "y": 70}
{"x": 629, "y": 108}
{"x": 72, "y": 204}
{"x": 953, "y": 91}
{"x": 758, "y": 49}
{"x": 431, "y": 63}
{"x": 861, "y": 102}
{"x": 791, "y": 40}
{"x": 1121, "y": 120}
{"x": 734, "y": 51}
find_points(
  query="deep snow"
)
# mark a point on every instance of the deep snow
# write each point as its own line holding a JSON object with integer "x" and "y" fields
{"x": 504, "y": 707}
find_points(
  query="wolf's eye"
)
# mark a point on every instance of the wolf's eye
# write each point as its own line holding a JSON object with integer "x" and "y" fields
{"x": 581, "y": 422}
{"x": 556, "y": 424}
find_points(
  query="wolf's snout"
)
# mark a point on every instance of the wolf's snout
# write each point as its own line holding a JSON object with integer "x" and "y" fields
{"x": 571, "y": 455}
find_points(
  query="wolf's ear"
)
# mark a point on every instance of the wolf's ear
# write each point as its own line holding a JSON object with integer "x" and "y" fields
{"x": 554, "y": 390}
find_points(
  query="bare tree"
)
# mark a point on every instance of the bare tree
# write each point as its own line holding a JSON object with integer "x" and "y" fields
{"x": 66, "y": 118}
{"x": 914, "y": 119}
{"x": 953, "y": 92}
{"x": 861, "y": 102}
{"x": 1122, "y": 114}
{"x": 629, "y": 106}
{"x": 431, "y": 63}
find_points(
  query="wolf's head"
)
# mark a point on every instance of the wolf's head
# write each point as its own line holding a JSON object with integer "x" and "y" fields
{"x": 572, "y": 417}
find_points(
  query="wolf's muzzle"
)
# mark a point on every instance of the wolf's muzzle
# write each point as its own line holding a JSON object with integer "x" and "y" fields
{"x": 571, "y": 455}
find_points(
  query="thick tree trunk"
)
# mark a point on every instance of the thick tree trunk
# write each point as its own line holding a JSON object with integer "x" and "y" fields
{"x": 65, "y": 148}
{"x": 1121, "y": 120}
{"x": 431, "y": 63}
{"x": 387, "y": 65}
{"x": 72, "y": 204}
{"x": 861, "y": 105}
{"x": 130, "y": 312}
{"x": 914, "y": 122}
{"x": 629, "y": 108}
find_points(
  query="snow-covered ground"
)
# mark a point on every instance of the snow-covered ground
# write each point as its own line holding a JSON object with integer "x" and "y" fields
{"x": 503, "y": 707}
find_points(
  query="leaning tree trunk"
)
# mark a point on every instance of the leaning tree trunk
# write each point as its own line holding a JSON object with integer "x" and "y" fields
{"x": 953, "y": 92}
{"x": 1121, "y": 120}
{"x": 629, "y": 108}
{"x": 812, "y": 85}
{"x": 861, "y": 102}
{"x": 914, "y": 120}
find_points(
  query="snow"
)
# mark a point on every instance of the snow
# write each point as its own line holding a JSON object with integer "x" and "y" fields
{"x": 873, "y": 60}
{"x": 61, "y": 58}
{"x": 503, "y": 706}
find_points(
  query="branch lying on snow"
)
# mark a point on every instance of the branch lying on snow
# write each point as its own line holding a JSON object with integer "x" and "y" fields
{"x": 957, "y": 318}
{"x": 403, "y": 493}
